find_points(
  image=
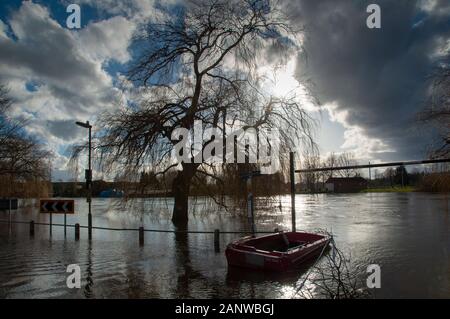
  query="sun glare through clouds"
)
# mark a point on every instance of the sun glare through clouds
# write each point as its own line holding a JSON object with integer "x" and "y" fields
{"x": 280, "y": 80}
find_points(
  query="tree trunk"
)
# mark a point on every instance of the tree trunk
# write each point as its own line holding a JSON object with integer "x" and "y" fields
{"x": 180, "y": 190}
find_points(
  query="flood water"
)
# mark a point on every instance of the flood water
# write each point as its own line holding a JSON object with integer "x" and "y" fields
{"x": 407, "y": 234}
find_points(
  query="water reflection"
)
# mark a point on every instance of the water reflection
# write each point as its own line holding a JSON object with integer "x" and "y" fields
{"x": 185, "y": 271}
{"x": 406, "y": 234}
{"x": 88, "y": 288}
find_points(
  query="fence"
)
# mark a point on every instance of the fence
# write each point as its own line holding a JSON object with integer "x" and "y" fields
{"x": 141, "y": 230}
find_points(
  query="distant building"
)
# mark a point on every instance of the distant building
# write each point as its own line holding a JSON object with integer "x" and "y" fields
{"x": 111, "y": 193}
{"x": 345, "y": 184}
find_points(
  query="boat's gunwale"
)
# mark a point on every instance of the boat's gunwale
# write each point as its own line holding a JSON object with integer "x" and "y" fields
{"x": 241, "y": 247}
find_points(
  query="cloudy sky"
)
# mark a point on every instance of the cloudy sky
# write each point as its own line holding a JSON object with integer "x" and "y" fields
{"x": 371, "y": 82}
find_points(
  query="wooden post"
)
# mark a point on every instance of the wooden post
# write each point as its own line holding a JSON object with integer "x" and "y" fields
{"x": 141, "y": 236}
{"x": 217, "y": 240}
{"x": 32, "y": 228}
{"x": 292, "y": 178}
{"x": 77, "y": 231}
{"x": 51, "y": 223}
{"x": 10, "y": 211}
{"x": 90, "y": 221}
{"x": 251, "y": 212}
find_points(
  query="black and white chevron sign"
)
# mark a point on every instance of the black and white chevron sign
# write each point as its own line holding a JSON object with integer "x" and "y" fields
{"x": 57, "y": 206}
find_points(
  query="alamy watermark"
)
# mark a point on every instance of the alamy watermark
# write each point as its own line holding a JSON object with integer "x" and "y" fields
{"x": 374, "y": 278}
{"x": 374, "y": 19}
{"x": 207, "y": 145}
{"x": 73, "y": 21}
{"x": 74, "y": 279}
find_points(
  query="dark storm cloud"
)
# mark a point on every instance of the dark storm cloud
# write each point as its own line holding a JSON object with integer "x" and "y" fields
{"x": 64, "y": 129}
{"x": 377, "y": 75}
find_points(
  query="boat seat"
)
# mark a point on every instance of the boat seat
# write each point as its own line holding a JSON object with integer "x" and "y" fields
{"x": 296, "y": 244}
{"x": 292, "y": 245}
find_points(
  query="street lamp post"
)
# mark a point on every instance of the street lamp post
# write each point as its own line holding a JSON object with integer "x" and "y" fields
{"x": 88, "y": 176}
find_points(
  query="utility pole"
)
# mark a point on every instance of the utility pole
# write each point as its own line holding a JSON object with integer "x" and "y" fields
{"x": 89, "y": 183}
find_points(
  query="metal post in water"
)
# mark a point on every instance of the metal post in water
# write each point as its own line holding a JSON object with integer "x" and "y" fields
{"x": 250, "y": 206}
{"x": 77, "y": 231}
{"x": 90, "y": 184}
{"x": 217, "y": 240}
{"x": 32, "y": 228}
{"x": 292, "y": 178}
{"x": 141, "y": 236}
{"x": 51, "y": 223}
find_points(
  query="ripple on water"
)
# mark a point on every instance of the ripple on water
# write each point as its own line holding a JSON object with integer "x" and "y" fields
{"x": 406, "y": 234}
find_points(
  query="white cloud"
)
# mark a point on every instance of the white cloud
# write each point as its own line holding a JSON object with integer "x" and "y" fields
{"x": 442, "y": 48}
{"x": 435, "y": 7}
{"x": 108, "y": 39}
{"x": 56, "y": 75}
{"x": 355, "y": 139}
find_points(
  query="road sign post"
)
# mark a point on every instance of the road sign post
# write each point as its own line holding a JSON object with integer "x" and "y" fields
{"x": 77, "y": 231}
{"x": 57, "y": 206}
{"x": 65, "y": 225}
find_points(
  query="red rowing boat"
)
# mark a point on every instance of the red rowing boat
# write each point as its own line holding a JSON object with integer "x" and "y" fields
{"x": 275, "y": 252}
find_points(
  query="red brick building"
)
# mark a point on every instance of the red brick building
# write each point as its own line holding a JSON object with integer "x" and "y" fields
{"x": 345, "y": 184}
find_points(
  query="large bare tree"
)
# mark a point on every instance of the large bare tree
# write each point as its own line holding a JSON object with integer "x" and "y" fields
{"x": 437, "y": 110}
{"x": 201, "y": 64}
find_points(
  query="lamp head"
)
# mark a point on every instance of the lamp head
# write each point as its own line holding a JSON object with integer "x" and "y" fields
{"x": 85, "y": 125}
